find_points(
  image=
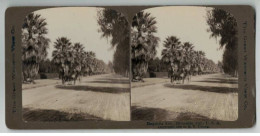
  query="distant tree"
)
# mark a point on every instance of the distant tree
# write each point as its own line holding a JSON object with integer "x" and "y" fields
{"x": 114, "y": 25}
{"x": 100, "y": 67}
{"x": 222, "y": 24}
{"x": 199, "y": 62}
{"x": 163, "y": 66}
{"x": 154, "y": 65}
{"x": 143, "y": 43}
{"x": 110, "y": 66}
{"x": 79, "y": 62}
{"x": 44, "y": 66}
{"x": 34, "y": 45}
{"x": 47, "y": 66}
{"x": 188, "y": 56}
{"x": 90, "y": 59}
{"x": 220, "y": 66}
{"x": 157, "y": 65}
{"x": 210, "y": 66}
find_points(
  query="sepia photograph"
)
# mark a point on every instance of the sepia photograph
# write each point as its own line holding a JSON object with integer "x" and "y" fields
{"x": 130, "y": 67}
{"x": 75, "y": 65}
{"x": 184, "y": 64}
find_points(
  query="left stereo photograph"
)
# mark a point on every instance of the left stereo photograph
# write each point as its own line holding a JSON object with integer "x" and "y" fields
{"x": 75, "y": 65}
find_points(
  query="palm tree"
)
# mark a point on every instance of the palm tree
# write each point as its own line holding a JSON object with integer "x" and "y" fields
{"x": 79, "y": 59}
{"x": 34, "y": 45}
{"x": 63, "y": 57}
{"x": 188, "y": 53}
{"x": 173, "y": 56}
{"x": 143, "y": 43}
{"x": 172, "y": 52}
{"x": 200, "y": 61}
{"x": 90, "y": 62}
{"x": 188, "y": 59}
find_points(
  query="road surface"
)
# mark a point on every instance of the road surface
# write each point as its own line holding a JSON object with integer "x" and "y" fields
{"x": 100, "y": 97}
{"x": 206, "y": 97}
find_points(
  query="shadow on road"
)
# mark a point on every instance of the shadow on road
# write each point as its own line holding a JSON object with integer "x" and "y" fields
{"x": 157, "y": 114}
{"x": 203, "y": 88}
{"x": 143, "y": 113}
{"x": 219, "y": 82}
{"x": 94, "y": 88}
{"x": 54, "y": 115}
{"x": 111, "y": 81}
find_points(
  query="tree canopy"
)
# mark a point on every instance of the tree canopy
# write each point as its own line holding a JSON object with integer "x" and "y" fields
{"x": 34, "y": 45}
{"x": 73, "y": 61}
{"x": 114, "y": 25}
{"x": 143, "y": 43}
{"x": 223, "y": 25}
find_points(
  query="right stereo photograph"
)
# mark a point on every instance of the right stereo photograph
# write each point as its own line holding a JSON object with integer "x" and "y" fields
{"x": 184, "y": 64}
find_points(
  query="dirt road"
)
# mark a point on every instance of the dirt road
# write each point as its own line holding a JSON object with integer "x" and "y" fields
{"x": 101, "y": 97}
{"x": 206, "y": 97}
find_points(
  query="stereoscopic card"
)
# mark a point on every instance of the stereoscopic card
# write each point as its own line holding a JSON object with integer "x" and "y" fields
{"x": 130, "y": 67}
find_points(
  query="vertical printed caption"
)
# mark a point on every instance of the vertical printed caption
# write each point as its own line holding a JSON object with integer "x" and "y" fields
{"x": 245, "y": 92}
{"x": 13, "y": 44}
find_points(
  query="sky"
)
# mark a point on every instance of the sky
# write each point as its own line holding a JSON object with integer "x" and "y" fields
{"x": 189, "y": 25}
{"x": 79, "y": 24}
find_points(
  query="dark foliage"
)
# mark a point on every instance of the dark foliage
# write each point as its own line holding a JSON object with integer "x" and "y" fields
{"x": 114, "y": 25}
{"x": 48, "y": 66}
{"x": 222, "y": 24}
{"x": 34, "y": 45}
{"x": 143, "y": 43}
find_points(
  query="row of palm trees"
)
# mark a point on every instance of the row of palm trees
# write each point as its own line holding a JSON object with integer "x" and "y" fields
{"x": 143, "y": 45}
{"x": 73, "y": 61}
{"x": 184, "y": 61}
{"x": 181, "y": 58}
